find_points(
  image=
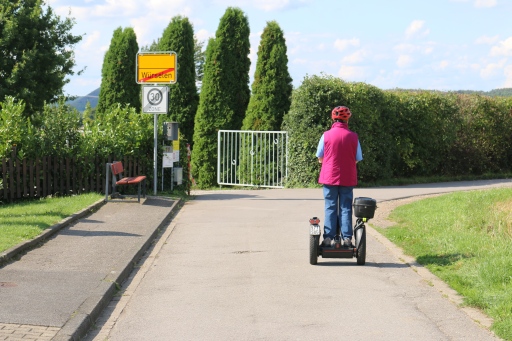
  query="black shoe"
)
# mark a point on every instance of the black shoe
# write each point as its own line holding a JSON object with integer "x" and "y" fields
{"x": 347, "y": 242}
{"x": 327, "y": 242}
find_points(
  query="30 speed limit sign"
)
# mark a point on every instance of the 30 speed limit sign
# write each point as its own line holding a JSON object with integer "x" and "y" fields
{"x": 155, "y": 99}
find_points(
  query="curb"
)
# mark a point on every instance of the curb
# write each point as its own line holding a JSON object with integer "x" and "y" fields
{"x": 18, "y": 250}
{"x": 84, "y": 317}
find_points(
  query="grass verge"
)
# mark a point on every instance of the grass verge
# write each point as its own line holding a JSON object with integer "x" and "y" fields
{"x": 25, "y": 220}
{"x": 464, "y": 238}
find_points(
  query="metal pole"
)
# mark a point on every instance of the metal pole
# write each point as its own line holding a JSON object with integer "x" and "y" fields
{"x": 107, "y": 174}
{"x": 155, "y": 179}
{"x": 218, "y": 156}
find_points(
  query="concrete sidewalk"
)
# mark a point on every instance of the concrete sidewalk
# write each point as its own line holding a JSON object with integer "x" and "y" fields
{"x": 57, "y": 290}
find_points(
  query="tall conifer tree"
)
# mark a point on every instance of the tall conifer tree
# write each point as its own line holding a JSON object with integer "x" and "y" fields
{"x": 183, "y": 96}
{"x": 118, "y": 83}
{"x": 224, "y": 93}
{"x": 232, "y": 37}
{"x": 211, "y": 116}
{"x": 272, "y": 85}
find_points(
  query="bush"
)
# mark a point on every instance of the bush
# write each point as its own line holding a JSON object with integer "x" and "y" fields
{"x": 119, "y": 131}
{"x": 423, "y": 131}
{"x": 484, "y": 136}
{"x": 402, "y": 133}
{"x": 13, "y": 126}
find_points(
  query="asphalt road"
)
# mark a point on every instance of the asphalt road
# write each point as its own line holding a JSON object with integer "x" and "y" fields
{"x": 234, "y": 265}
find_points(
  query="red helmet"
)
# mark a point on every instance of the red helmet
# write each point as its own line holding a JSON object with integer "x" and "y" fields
{"x": 341, "y": 113}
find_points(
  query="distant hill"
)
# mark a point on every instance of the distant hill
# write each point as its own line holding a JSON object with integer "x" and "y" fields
{"x": 81, "y": 102}
{"x": 504, "y": 92}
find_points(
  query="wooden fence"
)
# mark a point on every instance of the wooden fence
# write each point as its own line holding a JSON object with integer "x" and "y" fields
{"x": 48, "y": 176}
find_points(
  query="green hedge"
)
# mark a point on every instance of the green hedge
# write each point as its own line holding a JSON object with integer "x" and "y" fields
{"x": 120, "y": 131}
{"x": 402, "y": 133}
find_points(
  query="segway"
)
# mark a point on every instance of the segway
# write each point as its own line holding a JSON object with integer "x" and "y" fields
{"x": 364, "y": 209}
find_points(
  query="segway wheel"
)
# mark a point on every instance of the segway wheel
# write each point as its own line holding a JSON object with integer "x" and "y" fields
{"x": 314, "y": 241}
{"x": 361, "y": 246}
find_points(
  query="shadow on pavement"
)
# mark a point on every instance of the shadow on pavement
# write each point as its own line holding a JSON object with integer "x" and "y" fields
{"x": 81, "y": 233}
{"x": 368, "y": 264}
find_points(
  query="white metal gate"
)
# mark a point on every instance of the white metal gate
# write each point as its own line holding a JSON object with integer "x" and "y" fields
{"x": 252, "y": 158}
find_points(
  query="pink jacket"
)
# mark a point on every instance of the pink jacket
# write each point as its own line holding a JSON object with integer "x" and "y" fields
{"x": 339, "y": 162}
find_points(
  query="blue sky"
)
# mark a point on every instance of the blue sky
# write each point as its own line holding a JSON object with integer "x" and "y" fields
{"x": 414, "y": 44}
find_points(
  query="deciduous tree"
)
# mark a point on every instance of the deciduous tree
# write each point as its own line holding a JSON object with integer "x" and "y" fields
{"x": 36, "y": 52}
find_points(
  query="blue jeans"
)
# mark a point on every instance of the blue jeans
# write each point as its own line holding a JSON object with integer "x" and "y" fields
{"x": 338, "y": 209}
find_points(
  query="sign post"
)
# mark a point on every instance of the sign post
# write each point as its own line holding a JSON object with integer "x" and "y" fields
{"x": 155, "y": 68}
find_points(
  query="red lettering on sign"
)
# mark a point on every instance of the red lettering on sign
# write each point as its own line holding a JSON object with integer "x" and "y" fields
{"x": 156, "y": 75}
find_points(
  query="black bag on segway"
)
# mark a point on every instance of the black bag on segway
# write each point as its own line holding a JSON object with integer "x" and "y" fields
{"x": 364, "y": 207}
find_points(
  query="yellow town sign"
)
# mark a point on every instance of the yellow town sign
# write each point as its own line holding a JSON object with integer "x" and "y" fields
{"x": 156, "y": 67}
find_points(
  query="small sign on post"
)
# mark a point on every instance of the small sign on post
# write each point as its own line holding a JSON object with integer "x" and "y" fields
{"x": 155, "y": 99}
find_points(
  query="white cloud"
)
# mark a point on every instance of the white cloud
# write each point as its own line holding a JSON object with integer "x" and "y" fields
{"x": 487, "y": 40}
{"x": 271, "y": 5}
{"x": 352, "y": 73}
{"x": 265, "y": 5}
{"x": 90, "y": 40}
{"x": 485, "y": 3}
{"x": 504, "y": 48}
{"x": 492, "y": 69}
{"x": 355, "y": 57}
{"x": 404, "y": 60}
{"x": 300, "y": 61}
{"x": 342, "y": 44}
{"x": 253, "y": 55}
{"x": 406, "y": 48}
{"x": 153, "y": 9}
{"x": 480, "y": 3}
{"x": 441, "y": 65}
{"x": 116, "y": 8}
{"x": 204, "y": 35}
{"x": 508, "y": 77}
{"x": 416, "y": 29}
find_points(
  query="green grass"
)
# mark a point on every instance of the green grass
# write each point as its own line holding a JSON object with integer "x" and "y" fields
{"x": 465, "y": 239}
{"x": 25, "y": 220}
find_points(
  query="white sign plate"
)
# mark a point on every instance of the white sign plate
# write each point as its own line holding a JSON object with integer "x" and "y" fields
{"x": 169, "y": 159}
{"x": 155, "y": 99}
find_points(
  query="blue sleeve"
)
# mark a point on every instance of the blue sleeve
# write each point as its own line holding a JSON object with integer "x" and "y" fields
{"x": 320, "y": 148}
{"x": 359, "y": 153}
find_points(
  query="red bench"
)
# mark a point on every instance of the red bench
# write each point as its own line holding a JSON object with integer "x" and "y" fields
{"x": 116, "y": 168}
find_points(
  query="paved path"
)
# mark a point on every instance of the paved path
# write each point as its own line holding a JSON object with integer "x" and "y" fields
{"x": 233, "y": 265}
{"x": 55, "y": 291}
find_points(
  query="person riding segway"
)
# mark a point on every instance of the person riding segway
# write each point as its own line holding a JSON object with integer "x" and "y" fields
{"x": 338, "y": 152}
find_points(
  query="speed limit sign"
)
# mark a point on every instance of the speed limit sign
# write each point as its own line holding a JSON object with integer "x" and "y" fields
{"x": 155, "y": 99}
